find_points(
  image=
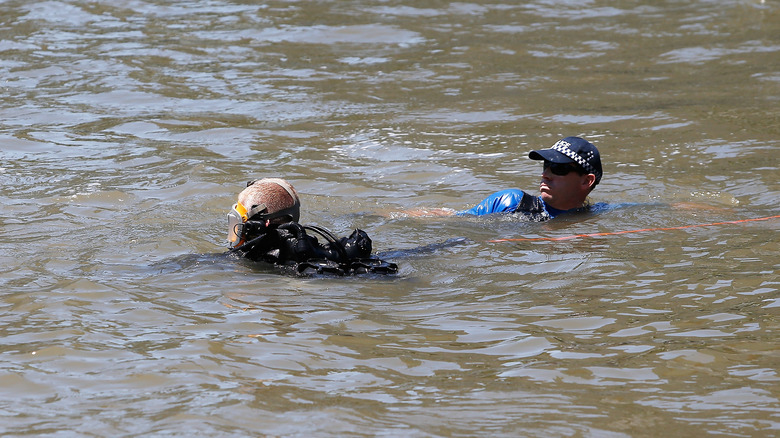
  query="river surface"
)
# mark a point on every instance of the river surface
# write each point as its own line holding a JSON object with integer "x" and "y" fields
{"x": 127, "y": 128}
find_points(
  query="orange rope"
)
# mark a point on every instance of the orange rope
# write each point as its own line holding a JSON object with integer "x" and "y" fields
{"x": 615, "y": 233}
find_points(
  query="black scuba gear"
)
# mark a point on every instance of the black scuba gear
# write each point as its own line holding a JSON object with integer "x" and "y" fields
{"x": 290, "y": 247}
{"x": 532, "y": 207}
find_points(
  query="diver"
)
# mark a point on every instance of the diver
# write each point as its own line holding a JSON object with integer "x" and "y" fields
{"x": 263, "y": 226}
{"x": 571, "y": 170}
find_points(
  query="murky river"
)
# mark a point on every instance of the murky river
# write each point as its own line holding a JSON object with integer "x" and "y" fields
{"x": 128, "y": 127}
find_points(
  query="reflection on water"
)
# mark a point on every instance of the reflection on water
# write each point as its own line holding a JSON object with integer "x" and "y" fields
{"x": 127, "y": 129}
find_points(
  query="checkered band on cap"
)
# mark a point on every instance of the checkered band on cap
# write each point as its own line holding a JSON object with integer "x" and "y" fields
{"x": 564, "y": 147}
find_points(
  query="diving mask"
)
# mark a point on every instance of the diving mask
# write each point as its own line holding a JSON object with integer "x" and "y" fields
{"x": 237, "y": 222}
{"x": 242, "y": 222}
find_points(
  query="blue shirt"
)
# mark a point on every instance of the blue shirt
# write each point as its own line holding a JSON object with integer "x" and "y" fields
{"x": 510, "y": 201}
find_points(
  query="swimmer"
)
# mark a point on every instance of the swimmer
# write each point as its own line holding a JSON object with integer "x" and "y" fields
{"x": 571, "y": 170}
{"x": 263, "y": 226}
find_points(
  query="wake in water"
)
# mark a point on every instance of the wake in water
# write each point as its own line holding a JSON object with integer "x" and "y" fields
{"x": 423, "y": 250}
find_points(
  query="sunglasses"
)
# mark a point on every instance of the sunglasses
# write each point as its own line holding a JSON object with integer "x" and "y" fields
{"x": 561, "y": 169}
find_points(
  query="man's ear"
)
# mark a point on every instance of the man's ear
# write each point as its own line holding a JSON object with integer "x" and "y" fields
{"x": 589, "y": 181}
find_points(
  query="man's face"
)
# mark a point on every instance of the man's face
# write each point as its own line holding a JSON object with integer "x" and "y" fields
{"x": 564, "y": 191}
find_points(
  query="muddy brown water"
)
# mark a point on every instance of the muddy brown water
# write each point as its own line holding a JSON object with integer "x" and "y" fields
{"x": 127, "y": 129}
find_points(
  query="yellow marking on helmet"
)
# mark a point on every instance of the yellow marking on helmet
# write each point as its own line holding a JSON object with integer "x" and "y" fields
{"x": 241, "y": 210}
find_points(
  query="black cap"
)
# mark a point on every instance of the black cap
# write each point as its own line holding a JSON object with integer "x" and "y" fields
{"x": 572, "y": 150}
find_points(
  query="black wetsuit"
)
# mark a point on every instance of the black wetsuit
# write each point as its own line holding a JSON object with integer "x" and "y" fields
{"x": 292, "y": 248}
